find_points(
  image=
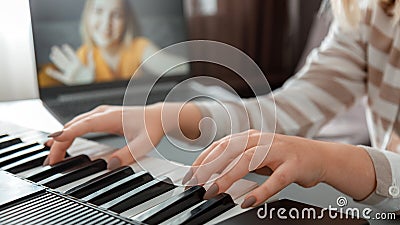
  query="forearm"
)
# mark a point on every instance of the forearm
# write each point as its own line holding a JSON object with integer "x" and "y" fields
{"x": 350, "y": 170}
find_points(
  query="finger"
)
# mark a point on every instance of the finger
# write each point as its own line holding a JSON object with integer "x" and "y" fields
{"x": 217, "y": 160}
{"x": 224, "y": 153}
{"x": 100, "y": 122}
{"x": 280, "y": 178}
{"x": 120, "y": 158}
{"x": 58, "y": 151}
{"x": 132, "y": 152}
{"x": 82, "y": 116}
{"x": 56, "y": 75}
{"x": 206, "y": 152}
{"x": 70, "y": 53}
{"x": 91, "y": 62}
{"x": 228, "y": 177}
{"x": 59, "y": 58}
{"x": 49, "y": 142}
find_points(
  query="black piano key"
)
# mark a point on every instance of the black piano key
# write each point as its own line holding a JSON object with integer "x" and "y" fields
{"x": 8, "y": 141}
{"x": 64, "y": 165}
{"x": 22, "y": 154}
{"x": 139, "y": 195}
{"x": 15, "y": 148}
{"x": 100, "y": 182}
{"x": 74, "y": 175}
{"x": 3, "y": 135}
{"x": 208, "y": 210}
{"x": 26, "y": 163}
{"x": 119, "y": 188}
{"x": 173, "y": 206}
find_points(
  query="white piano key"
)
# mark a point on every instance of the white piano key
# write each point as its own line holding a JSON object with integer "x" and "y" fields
{"x": 177, "y": 175}
{"x": 114, "y": 185}
{"x": 237, "y": 210}
{"x": 142, "y": 208}
{"x": 27, "y": 173}
{"x": 80, "y": 181}
{"x": 155, "y": 166}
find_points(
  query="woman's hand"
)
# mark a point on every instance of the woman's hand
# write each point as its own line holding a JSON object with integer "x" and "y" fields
{"x": 71, "y": 71}
{"x": 142, "y": 127}
{"x": 290, "y": 159}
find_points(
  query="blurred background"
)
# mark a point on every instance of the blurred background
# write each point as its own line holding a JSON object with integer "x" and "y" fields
{"x": 273, "y": 33}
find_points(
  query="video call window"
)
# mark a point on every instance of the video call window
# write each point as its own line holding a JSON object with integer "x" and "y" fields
{"x": 79, "y": 42}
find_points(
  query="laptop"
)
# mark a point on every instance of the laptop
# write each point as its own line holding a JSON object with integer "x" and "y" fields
{"x": 75, "y": 44}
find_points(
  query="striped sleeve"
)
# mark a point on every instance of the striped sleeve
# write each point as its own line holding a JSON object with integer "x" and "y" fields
{"x": 387, "y": 193}
{"x": 332, "y": 80}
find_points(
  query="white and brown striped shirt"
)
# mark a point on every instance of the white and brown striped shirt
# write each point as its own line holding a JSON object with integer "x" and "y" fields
{"x": 349, "y": 64}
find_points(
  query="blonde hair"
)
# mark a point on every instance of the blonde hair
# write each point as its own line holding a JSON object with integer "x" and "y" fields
{"x": 131, "y": 27}
{"x": 348, "y": 12}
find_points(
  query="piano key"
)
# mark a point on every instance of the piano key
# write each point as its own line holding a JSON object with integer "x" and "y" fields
{"x": 100, "y": 182}
{"x": 155, "y": 166}
{"x": 64, "y": 165}
{"x": 76, "y": 183}
{"x": 173, "y": 206}
{"x": 142, "y": 208}
{"x": 118, "y": 188}
{"x": 139, "y": 195}
{"x": 26, "y": 163}
{"x": 64, "y": 178}
{"x": 3, "y": 135}
{"x": 22, "y": 154}
{"x": 9, "y": 141}
{"x": 206, "y": 211}
{"x": 15, "y": 148}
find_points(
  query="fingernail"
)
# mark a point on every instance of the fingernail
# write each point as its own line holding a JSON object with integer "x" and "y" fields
{"x": 114, "y": 163}
{"x": 46, "y": 161}
{"x": 211, "y": 192}
{"x": 187, "y": 177}
{"x": 192, "y": 182}
{"x": 248, "y": 202}
{"x": 56, "y": 134}
{"x": 47, "y": 144}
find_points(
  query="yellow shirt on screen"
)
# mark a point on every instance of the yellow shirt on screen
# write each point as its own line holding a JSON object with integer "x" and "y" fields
{"x": 131, "y": 58}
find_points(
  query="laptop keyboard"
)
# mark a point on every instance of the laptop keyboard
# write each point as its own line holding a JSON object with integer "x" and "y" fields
{"x": 69, "y": 110}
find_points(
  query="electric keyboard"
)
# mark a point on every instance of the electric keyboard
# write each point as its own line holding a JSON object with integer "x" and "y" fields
{"x": 80, "y": 189}
{"x": 127, "y": 194}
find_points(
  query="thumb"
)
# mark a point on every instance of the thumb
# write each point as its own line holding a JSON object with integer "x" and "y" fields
{"x": 129, "y": 154}
{"x": 120, "y": 157}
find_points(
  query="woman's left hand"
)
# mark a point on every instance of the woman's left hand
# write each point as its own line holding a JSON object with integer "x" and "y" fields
{"x": 290, "y": 159}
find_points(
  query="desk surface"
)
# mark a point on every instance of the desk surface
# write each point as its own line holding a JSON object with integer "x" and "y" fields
{"x": 32, "y": 114}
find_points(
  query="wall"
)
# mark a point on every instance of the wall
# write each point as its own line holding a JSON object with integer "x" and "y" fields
{"x": 17, "y": 73}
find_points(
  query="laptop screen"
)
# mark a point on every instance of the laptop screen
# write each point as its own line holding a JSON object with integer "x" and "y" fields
{"x": 92, "y": 43}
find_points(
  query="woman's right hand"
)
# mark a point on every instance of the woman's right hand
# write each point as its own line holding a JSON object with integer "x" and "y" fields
{"x": 142, "y": 126}
{"x": 70, "y": 71}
